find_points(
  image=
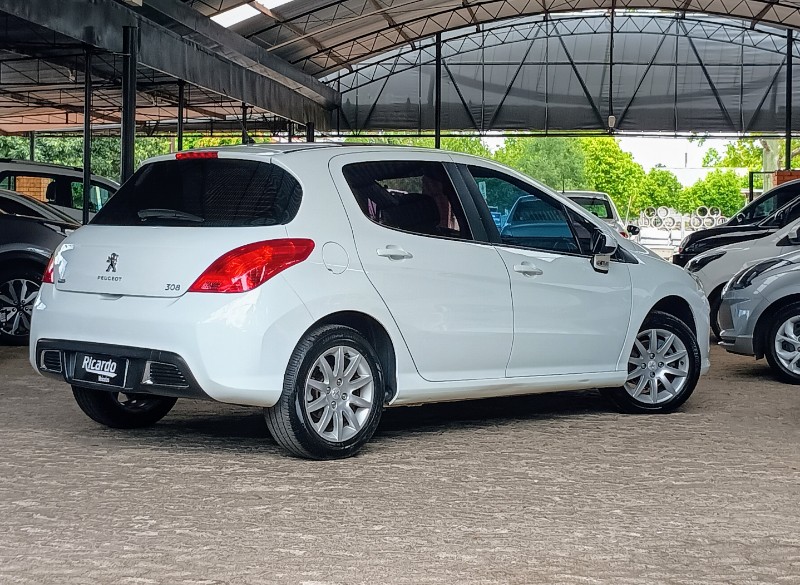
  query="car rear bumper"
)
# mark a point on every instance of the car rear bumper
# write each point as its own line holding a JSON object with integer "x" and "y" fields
{"x": 149, "y": 371}
{"x": 231, "y": 347}
{"x": 741, "y": 344}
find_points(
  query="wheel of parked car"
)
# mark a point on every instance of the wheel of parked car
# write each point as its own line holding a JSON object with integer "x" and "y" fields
{"x": 332, "y": 397}
{"x": 782, "y": 345}
{"x": 715, "y": 301}
{"x": 122, "y": 411}
{"x": 18, "y": 289}
{"x": 663, "y": 367}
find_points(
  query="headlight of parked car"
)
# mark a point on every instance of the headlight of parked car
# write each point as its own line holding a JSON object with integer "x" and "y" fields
{"x": 699, "y": 262}
{"x": 745, "y": 278}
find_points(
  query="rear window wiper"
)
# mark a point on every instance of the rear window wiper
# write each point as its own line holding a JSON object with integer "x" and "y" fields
{"x": 169, "y": 214}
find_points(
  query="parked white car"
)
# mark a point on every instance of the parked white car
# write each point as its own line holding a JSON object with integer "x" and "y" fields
{"x": 715, "y": 268}
{"x": 325, "y": 282}
{"x": 602, "y": 206}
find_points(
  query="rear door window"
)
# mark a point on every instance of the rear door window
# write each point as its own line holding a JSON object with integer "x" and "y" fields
{"x": 98, "y": 195}
{"x": 412, "y": 196}
{"x": 211, "y": 192}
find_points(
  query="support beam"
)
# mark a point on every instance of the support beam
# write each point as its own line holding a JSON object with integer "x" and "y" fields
{"x": 437, "y": 105}
{"x": 181, "y": 113}
{"x": 789, "y": 90}
{"x": 215, "y": 68}
{"x": 128, "y": 130}
{"x": 87, "y": 134}
{"x": 245, "y": 137}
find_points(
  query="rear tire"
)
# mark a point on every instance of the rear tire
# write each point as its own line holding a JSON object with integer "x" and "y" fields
{"x": 122, "y": 411}
{"x": 19, "y": 286}
{"x": 333, "y": 395}
{"x": 663, "y": 368}
{"x": 715, "y": 301}
{"x": 782, "y": 345}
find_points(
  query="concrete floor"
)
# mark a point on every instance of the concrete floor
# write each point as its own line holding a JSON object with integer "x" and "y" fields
{"x": 543, "y": 489}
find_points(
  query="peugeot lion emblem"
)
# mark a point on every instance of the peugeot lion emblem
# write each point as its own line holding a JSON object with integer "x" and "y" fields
{"x": 112, "y": 262}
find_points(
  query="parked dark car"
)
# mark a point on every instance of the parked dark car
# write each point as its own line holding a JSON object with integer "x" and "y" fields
{"x": 26, "y": 244}
{"x": 14, "y": 203}
{"x": 764, "y": 216}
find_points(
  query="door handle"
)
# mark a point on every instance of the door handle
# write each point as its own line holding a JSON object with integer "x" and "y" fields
{"x": 527, "y": 269}
{"x": 394, "y": 253}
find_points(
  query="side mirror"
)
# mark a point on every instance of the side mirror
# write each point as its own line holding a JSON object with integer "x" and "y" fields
{"x": 793, "y": 237}
{"x": 633, "y": 230}
{"x": 602, "y": 249}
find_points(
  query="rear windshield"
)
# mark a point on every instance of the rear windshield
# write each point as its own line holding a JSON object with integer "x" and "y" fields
{"x": 204, "y": 193}
{"x": 595, "y": 205}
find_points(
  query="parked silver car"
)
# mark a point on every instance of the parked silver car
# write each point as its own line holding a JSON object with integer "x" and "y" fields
{"x": 760, "y": 314}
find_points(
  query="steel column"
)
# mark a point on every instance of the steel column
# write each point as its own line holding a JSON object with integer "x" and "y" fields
{"x": 789, "y": 84}
{"x": 32, "y": 145}
{"x": 309, "y": 131}
{"x": 245, "y": 137}
{"x": 129, "y": 63}
{"x": 437, "y": 104}
{"x": 87, "y": 134}
{"x": 181, "y": 101}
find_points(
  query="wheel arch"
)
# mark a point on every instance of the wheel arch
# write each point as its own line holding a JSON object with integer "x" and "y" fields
{"x": 22, "y": 258}
{"x": 679, "y": 308}
{"x": 378, "y": 337}
{"x": 764, "y": 322}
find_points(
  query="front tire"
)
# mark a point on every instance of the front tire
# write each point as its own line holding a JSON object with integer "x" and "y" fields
{"x": 122, "y": 411}
{"x": 782, "y": 345}
{"x": 333, "y": 395}
{"x": 663, "y": 368}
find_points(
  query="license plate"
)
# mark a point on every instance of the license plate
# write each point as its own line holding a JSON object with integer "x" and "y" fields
{"x": 101, "y": 369}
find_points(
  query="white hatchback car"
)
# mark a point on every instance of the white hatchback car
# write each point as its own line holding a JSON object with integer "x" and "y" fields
{"x": 324, "y": 282}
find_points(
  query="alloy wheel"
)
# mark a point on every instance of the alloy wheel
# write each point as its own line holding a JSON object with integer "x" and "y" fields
{"x": 338, "y": 395}
{"x": 658, "y": 367}
{"x": 16, "y": 305}
{"x": 787, "y": 344}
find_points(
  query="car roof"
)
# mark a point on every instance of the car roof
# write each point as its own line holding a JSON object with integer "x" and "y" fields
{"x": 595, "y": 194}
{"x": 38, "y": 166}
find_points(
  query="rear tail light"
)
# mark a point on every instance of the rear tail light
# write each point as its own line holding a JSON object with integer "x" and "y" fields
{"x": 623, "y": 234}
{"x": 250, "y": 266}
{"x": 195, "y": 154}
{"x": 47, "y": 277}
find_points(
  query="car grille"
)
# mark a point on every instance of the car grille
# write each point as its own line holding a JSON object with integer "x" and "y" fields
{"x": 163, "y": 374}
{"x": 51, "y": 361}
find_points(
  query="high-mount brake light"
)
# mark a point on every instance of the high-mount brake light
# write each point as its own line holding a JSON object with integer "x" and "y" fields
{"x": 47, "y": 277}
{"x": 195, "y": 154}
{"x": 250, "y": 266}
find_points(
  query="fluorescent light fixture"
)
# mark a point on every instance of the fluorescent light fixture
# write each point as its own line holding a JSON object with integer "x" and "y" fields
{"x": 235, "y": 15}
{"x": 270, "y": 4}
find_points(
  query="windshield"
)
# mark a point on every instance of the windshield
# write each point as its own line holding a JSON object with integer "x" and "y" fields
{"x": 763, "y": 208}
{"x": 597, "y": 206}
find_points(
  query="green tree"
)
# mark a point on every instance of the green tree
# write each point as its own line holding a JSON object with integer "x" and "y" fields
{"x": 719, "y": 189}
{"x": 611, "y": 170}
{"x": 14, "y": 147}
{"x": 556, "y": 162}
{"x": 661, "y": 187}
